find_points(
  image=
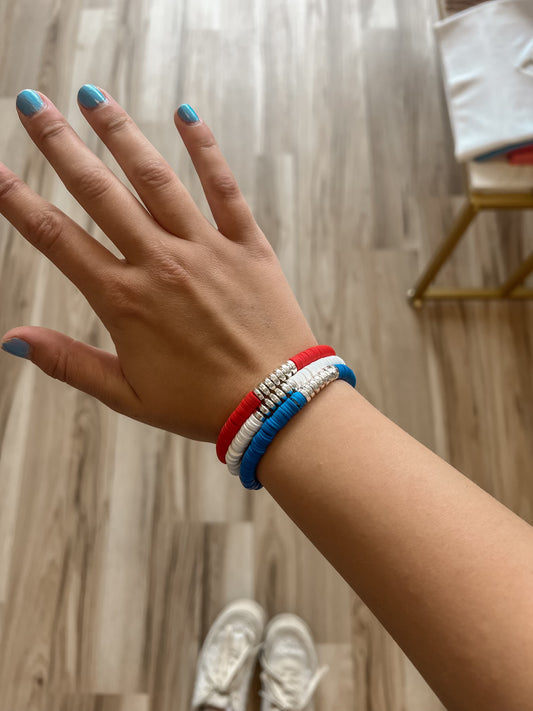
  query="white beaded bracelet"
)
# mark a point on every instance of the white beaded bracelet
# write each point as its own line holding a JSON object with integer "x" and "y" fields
{"x": 253, "y": 424}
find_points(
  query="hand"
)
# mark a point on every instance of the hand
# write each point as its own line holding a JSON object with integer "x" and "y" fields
{"x": 198, "y": 315}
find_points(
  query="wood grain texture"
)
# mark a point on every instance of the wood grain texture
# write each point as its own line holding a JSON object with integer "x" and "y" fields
{"x": 119, "y": 544}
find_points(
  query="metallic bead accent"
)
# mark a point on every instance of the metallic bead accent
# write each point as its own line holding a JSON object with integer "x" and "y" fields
{"x": 258, "y": 393}
{"x": 275, "y": 399}
{"x": 264, "y": 389}
{"x": 286, "y": 388}
{"x": 281, "y": 375}
{"x": 306, "y": 394}
{"x": 279, "y": 393}
{"x": 274, "y": 378}
{"x": 270, "y": 385}
{"x": 264, "y": 410}
{"x": 292, "y": 367}
{"x": 269, "y": 403}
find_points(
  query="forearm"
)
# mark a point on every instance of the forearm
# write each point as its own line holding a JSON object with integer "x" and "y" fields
{"x": 445, "y": 567}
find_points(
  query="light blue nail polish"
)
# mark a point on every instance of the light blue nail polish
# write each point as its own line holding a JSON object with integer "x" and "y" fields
{"x": 18, "y": 347}
{"x": 188, "y": 114}
{"x": 89, "y": 96}
{"x": 29, "y": 102}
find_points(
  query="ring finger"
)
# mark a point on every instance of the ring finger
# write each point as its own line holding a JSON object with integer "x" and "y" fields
{"x": 108, "y": 201}
{"x": 158, "y": 186}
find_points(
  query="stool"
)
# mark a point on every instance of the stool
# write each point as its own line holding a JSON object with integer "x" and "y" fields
{"x": 491, "y": 185}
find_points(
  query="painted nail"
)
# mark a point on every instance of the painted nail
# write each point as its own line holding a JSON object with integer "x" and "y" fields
{"x": 89, "y": 96}
{"x": 188, "y": 114}
{"x": 18, "y": 347}
{"x": 29, "y": 102}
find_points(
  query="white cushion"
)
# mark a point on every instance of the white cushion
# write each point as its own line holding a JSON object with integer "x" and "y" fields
{"x": 499, "y": 176}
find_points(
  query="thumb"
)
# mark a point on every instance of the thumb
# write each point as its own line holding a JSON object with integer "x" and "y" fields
{"x": 86, "y": 368}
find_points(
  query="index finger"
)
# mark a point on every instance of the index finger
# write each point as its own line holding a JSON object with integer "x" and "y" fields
{"x": 80, "y": 257}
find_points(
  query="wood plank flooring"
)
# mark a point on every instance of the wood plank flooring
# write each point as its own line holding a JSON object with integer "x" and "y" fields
{"x": 119, "y": 543}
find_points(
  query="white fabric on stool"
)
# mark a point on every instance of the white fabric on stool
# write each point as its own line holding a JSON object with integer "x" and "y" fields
{"x": 499, "y": 176}
{"x": 487, "y": 58}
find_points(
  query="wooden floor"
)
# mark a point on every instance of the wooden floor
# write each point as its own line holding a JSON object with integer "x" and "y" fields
{"x": 119, "y": 543}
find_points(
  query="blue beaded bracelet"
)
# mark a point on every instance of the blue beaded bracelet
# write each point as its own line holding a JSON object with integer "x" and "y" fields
{"x": 273, "y": 425}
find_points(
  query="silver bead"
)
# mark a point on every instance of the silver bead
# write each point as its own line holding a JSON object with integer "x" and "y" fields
{"x": 269, "y": 403}
{"x": 286, "y": 388}
{"x": 274, "y": 378}
{"x": 279, "y": 393}
{"x": 258, "y": 393}
{"x": 270, "y": 385}
{"x": 281, "y": 375}
{"x": 291, "y": 367}
{"x": 275, "y": 399}
{"x": 264, "y": 389}
{"x": 264, "y": 410}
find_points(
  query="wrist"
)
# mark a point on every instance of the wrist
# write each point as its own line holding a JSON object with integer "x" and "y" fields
{"x": 297, "y": 447}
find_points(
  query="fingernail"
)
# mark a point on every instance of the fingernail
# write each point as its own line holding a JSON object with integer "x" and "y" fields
{"x": 89, "y": 96}
{"x": 18, "y": 347}
{"x": 29, "y": 102}
{"x": 188, "y": 114}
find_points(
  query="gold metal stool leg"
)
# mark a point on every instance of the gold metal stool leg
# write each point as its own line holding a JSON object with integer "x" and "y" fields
{"x": 520, "y": 275}
{"x": 415, "y": 296}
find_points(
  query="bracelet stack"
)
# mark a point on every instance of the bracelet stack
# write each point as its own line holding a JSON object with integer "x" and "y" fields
{"x": 253, "y": 425}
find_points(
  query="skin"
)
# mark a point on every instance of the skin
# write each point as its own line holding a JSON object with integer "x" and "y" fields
{"x": 445, "y": 567}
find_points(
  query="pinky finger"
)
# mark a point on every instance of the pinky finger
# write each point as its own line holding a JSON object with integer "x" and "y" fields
{"x": 230, "y": 210}
{"x": 86, "y": 368}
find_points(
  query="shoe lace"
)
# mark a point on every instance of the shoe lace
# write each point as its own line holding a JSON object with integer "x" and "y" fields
{"x": 220, "y": 679}
{"x": 284, "y": 689}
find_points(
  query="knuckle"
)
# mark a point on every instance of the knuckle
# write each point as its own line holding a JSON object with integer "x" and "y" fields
{"x": 59, "y": 367}
{"x": 9, "y": 183}
{"x": 45, "y": 228}
{"x": 93, "y": 183}
{"x": 117, "y": 123}
{"x": 225, "y": 185}
{"x": 261, "y": 248}
{"x": 123, "y": 298}
{"x": 52, "y": 129}
{"x": 206, "y": 141}
{"x": 153, "y": 174}
{"x": 165, "y": 268}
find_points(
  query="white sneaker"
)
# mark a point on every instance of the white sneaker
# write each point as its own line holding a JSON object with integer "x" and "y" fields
{"x": 290, "y": 672}
{"x": 228, "y": 655}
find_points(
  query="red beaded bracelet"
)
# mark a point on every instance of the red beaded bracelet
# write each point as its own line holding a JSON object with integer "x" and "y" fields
{"x": 251, "y": 402}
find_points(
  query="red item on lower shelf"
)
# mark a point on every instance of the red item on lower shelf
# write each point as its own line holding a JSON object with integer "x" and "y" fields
{"x": 522, "y": 156}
